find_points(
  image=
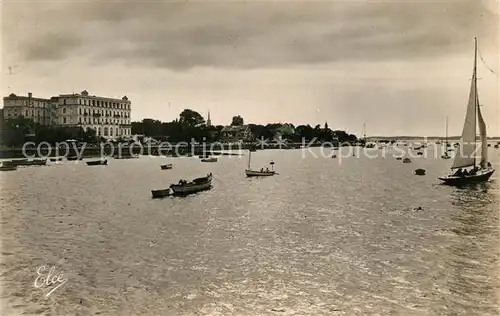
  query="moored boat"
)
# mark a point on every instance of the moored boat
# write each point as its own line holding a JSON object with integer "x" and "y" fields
{"x": 211, "y": 159}
{"x": 261, "y": 173}
{"x": 420, "y": 172}
{"x": 158, "y": 194}
{"x": 197, "y": 185}
{"x": 8, "y": 168}
{"x": 167, "y": 166}
{"x": 446, "y": 145}
{"x": 465, "y": 155}
{"x": 97, "y": 162}
{"x": 406, "y": 160}
{"x": 256, "y": 173}
{"x": 25, "y": 162}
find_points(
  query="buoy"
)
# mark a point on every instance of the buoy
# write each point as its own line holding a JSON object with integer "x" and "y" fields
{"x": 420, "y": 172}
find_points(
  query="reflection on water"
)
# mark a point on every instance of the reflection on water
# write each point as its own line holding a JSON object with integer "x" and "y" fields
{"x": 473, "y": 258}
{"x": 360, "y": 237}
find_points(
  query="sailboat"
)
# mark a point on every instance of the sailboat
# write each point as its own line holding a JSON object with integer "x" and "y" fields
{"x": 465, "y": 152}
{"x": 256, "y": 173}
{"x": 445, "y": 155}
{"x": 367, "y": 145}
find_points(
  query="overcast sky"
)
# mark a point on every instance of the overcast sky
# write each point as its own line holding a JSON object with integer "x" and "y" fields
{"x": 399, "y": 66}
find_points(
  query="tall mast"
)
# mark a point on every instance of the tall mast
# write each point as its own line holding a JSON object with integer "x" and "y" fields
{"x": 474, "y": 77}
{"x": 249, "y": 155}
{"x": 446, "y": 137}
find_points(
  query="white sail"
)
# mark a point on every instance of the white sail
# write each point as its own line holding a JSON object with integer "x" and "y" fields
{"x": 464, "y": 157}
{"x": 484, "y": 139}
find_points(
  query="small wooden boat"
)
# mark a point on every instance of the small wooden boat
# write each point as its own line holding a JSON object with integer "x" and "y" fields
{"x": 125, "y": 156}
{"x": 420, "y": 153}
{"x": 334, "y": 156}
{"x": 211, "y": 159}
{"x": 8, "y": 168}
{"x": 197, "y": 185}
{"x": 97, "y": 162}
{"x": 25, "y": 162}
{"x": 399, "y": 158}
{"x": 158, "y": 194}
{"x": 406, "y": 160}
{"x": 165, "y": 167}
{"x": 420, "y": 172}
{"x": 54, "y": 159}
{"x": 15, "y": 162}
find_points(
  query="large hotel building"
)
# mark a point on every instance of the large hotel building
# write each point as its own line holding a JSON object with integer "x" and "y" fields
{"x": 109, "y": 117}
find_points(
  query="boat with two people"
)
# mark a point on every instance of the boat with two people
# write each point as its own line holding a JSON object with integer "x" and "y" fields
{"x": 465, "y": 155}
{"x": 259, "y": 173}
{"x": 184, "y": 188}
{"x": 166, "y": 167}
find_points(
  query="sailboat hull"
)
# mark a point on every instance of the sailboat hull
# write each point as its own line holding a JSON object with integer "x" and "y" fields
{"x": 482, "y": 176}
{"x": 255, "y": 173}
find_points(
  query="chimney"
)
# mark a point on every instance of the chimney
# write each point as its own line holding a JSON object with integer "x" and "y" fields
{"x": 29, "y": 95}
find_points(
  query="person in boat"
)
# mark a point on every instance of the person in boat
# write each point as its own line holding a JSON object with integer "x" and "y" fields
{"x": 458, "y": 173}
{"x": 488, "y": 164}
{"x": 267, "y": 169}
{"x": 473, "y": 171}
{"x": 465, "y": 173}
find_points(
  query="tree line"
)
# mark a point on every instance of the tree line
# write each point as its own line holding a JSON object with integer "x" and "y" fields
{"x": 189, "y": 125}
{"x": 192, "y": 125}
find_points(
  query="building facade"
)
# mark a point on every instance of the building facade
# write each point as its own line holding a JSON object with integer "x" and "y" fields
{"x": 233, "y": 134}
{"x": 109, "y": 117}
{"x": 37, "y": 109}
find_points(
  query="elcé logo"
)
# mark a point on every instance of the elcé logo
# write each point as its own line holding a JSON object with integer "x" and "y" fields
{"x": 49, "y": 280}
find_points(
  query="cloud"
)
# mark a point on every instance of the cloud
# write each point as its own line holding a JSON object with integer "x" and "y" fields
{"x": 182, "y": 36}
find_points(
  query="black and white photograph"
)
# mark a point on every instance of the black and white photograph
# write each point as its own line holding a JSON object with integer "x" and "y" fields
{"x": 250, "y": 158}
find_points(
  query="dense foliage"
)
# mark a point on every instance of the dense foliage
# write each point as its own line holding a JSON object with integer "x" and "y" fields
{"x": 190, "y": 125}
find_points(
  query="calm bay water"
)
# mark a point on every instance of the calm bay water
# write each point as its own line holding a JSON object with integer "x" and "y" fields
{"x": 321, "y": 238}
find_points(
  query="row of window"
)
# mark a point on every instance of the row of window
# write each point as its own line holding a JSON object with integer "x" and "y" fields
{"x": 99, "y": 103}
{"x": 90, "y": 120}
{"x": 112, "y": 132}
{"x": 101, "y": 112}
{"x": 26, "y": 113}
{"x": 84, "y": 111}
{"x": 38, "y": 104}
